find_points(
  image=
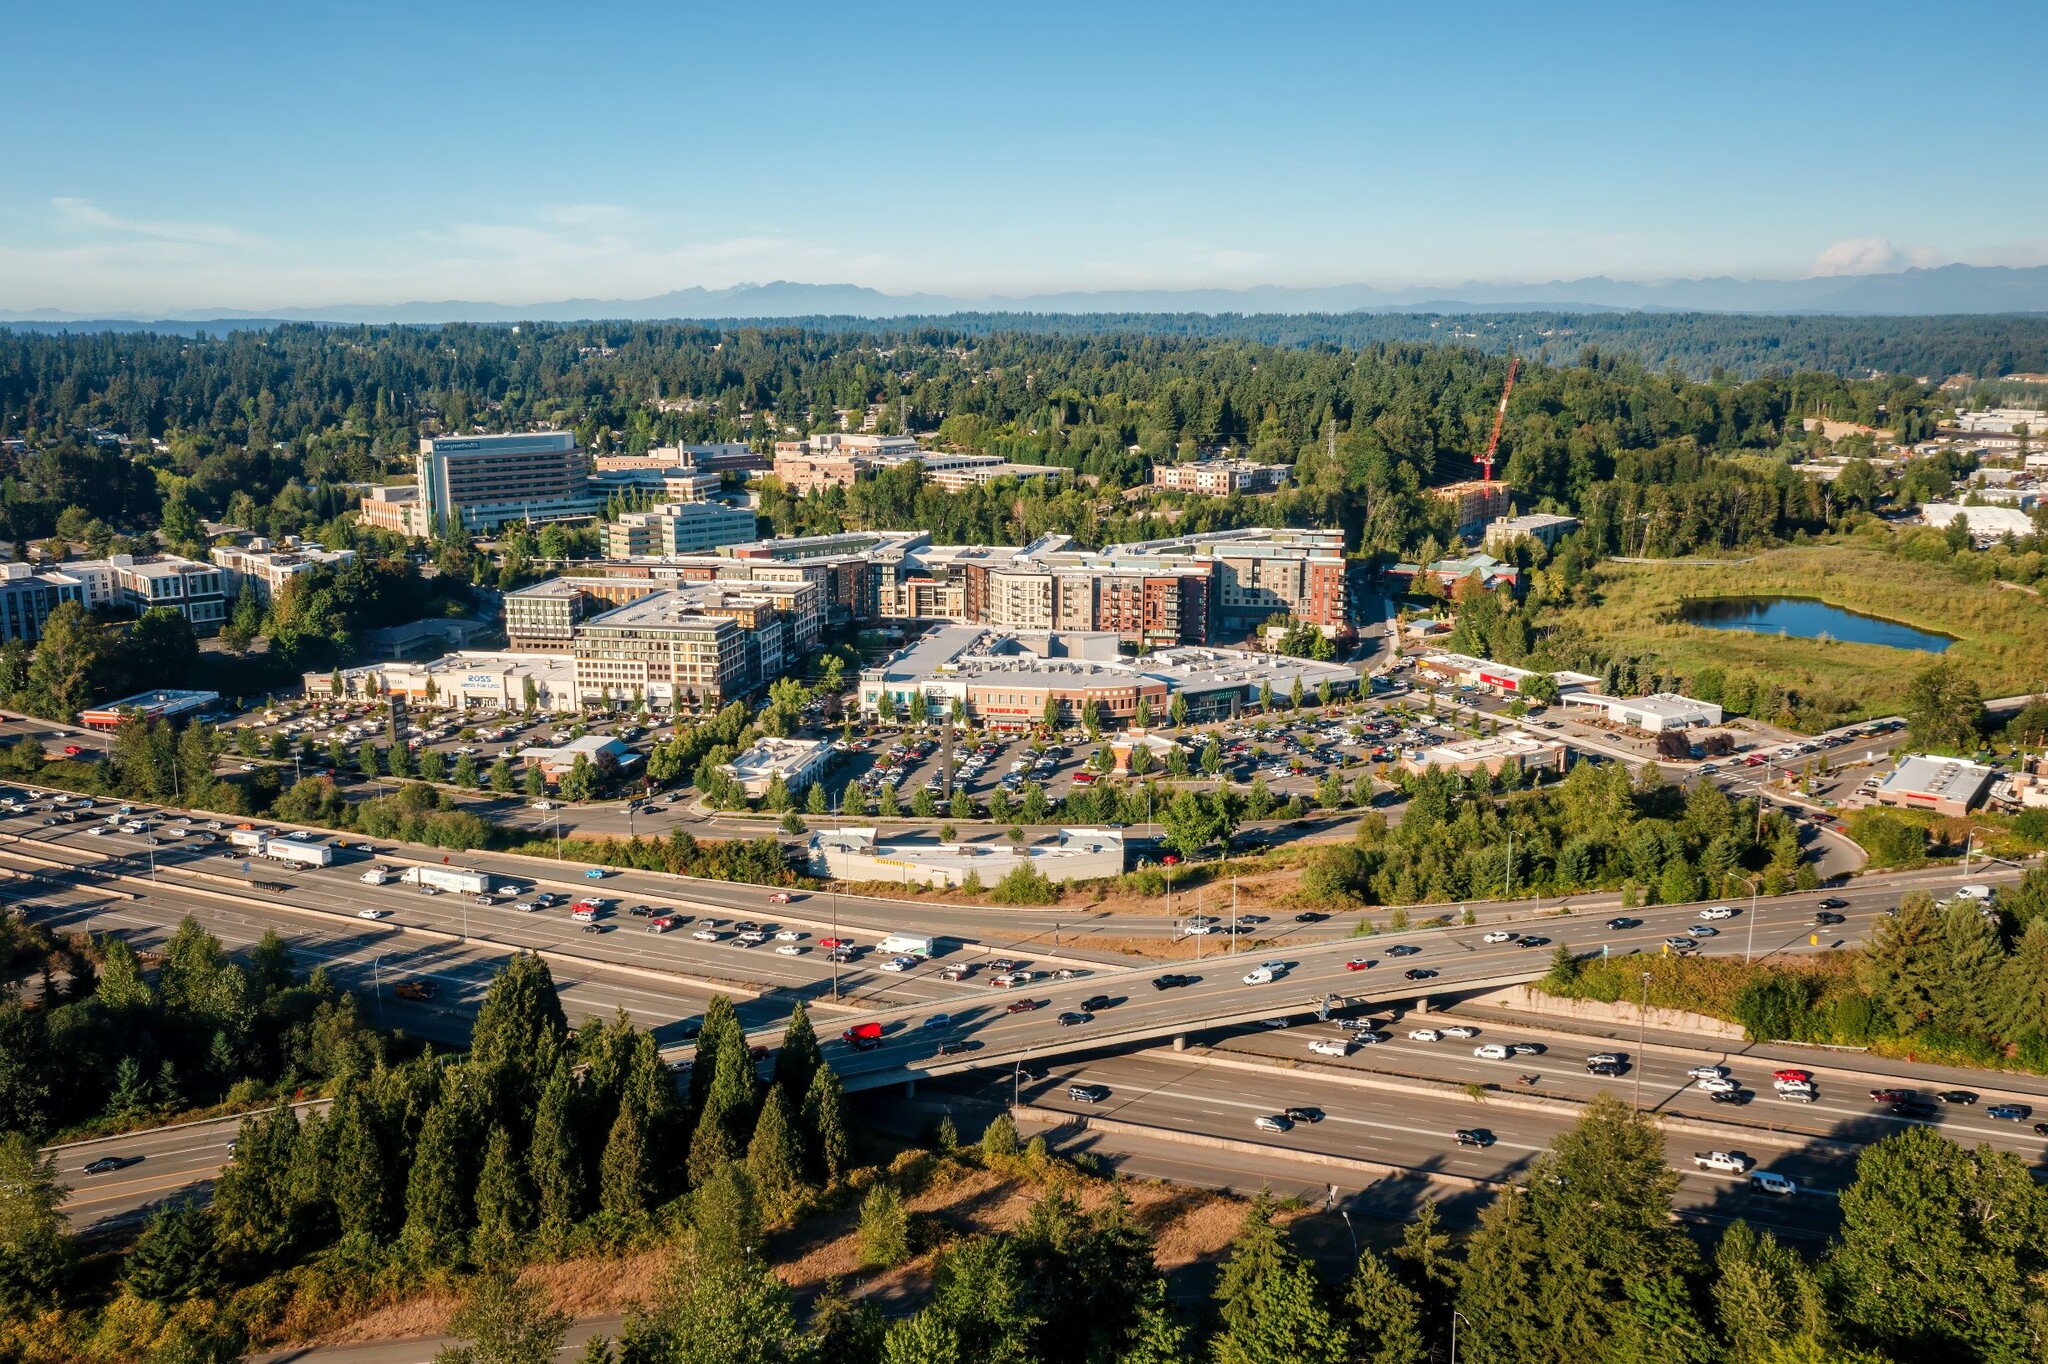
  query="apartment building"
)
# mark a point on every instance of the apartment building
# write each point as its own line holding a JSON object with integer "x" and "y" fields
{"x": 680, "y": 528}
{"x": 1474, "y": 503}
{"x": 1220, "y": 477}
{"x": 397, "y": 509}
{"x": 27, "y": 598}
{"x": 481, "y": 482}
{"x": 267, "y": 567}
{"x": 658, "y": 649}
{"x": 1260, "y": 572}
{"x": 139, "y": 582}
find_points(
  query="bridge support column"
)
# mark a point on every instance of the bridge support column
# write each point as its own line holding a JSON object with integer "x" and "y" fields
{"x": 910, "y": 1089}
{"x": 1180, "y": 1041}
{"x": 1422, "y": 1004}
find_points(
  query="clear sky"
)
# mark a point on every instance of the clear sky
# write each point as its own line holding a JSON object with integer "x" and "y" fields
{"x": 166, "y": 156}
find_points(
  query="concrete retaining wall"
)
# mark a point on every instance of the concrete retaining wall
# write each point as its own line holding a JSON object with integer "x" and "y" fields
{"x": 1525, "y": 999}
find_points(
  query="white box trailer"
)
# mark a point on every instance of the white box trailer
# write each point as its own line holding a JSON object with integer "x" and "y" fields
{"x": 300, "y": 853}
{"x": 456, "y": 879}
{"x": 904, "y": 944}
{"x": 249, "y": 840}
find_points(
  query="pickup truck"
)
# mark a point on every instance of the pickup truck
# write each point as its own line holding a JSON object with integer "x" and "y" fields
{"x": 1730, "y": 1162}
{"x": 414, "y": 989}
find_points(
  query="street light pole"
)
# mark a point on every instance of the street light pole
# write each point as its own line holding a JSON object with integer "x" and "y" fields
{"x": 1641, "y": 1014}
{"x": 1456, "y": 1317}
{"x": 1749, "y": 942}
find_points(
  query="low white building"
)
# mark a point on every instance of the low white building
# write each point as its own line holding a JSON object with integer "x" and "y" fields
{"x": 1988, "y": 525}
{"x": 268, "y": 567}
{"x": 1071, "y": 855}
{"x": 798, "y": 762}
{"x": 1653, "y": 714}
{"x": 461, "y": 681}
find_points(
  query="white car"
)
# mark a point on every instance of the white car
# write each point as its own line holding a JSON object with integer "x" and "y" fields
{"x": 373, "y": 914}
{"x": 1717, "y": 912}
{"x": 1719, "y": 1084}
{"x": 1498, "y": 935}
{"x": 790, "y": 935}
{"x": 1490, "y": 1051}
{"x": 1706, "y": 1073}
{"x": 1425, "y": 1035}
{"x": 790, "y": 949}
{"x": 543, "y": 805}
{"x": 1787, "y": 1086}
{"x": 1461, "y": 1032}
{"x": 899, "y": 964}
{"x": 706, "y": 935}
{"x": 1259, "y": 975}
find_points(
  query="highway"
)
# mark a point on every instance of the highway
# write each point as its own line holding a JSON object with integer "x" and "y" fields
{"x": 157, "y": 1165}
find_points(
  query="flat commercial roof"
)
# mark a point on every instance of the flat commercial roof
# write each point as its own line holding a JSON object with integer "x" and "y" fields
{"x": 1939, "y": 778}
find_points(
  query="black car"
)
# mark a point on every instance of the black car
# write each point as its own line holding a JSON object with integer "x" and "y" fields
{"x": 109, "y": 1164}
{"x": 1824, "y": 919}
{"x": 1624, "y": 922}
{"x": 1071, "y": 1019}
{"x": 597, "y": 928}
{"x": 1419, "y": 973}
{"x": 1096, "y": 1003}
{"x": 1403, "y": 950}
{"x": 1172, "y": 980}
{"x": 1834, "y": 902}
{"x": 1304, "y": 1114}
{"x": 1738, "y": 1097}
{"x": 1606, "y": 1068}
{"x": 1474, "y": 1136}
{"x": 1087, "y": 1094}
{"x": 1532, "y": 940}
{"x": 1310, "y": 916}
{"x": 953, "y": 1047}
{"x": 639, "y": 911}
{"x": 1956, "y": 1096}
{"x": 1913, "y": 1108}
{"x": 2041, "y": 1129}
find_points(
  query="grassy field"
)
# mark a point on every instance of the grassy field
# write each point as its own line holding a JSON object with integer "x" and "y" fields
{"x": 2001, "y": 636}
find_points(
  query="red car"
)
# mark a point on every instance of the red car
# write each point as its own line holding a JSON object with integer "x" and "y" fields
{"x": 829, "y": 943}
{"x": 1793, "y": 1077}
{"x": 1358, "y": 964}
{"x": 1025, "y": 1006}
{"x": 72, "y": 750}
{"x": 1889, "y": 1096}
{"x": 780, "y": 897}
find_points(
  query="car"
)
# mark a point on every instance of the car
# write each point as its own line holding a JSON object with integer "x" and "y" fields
{"x": 1605, "y": 1069}
{"x": 1303, "y": 1113}
{"x": 1273, "y": 1122}
{"x": 1498, "y": 935}
{"x": 1087, "y": 1094}
{"x": 1000, "y": 966}
{"x": 373, "y": 914}
{"x": 1358, "y": 964}
{"x": 1731, "y": 1096}
{"x": 1770, "y": 1182}
{"x": 953, "y": 1046}
{"x": 1070, "y": 1019}
{"x": 1706, "y": 1072}
{"x": 1681, "y": 944}
{"x": 1310, "y": 916}
{"x": 791, "y": 949}
{"x": 831, "y": 944}
{"x": 2008, "y": 1112}
{"x": 939, "y": 1021}
{"x": 595, "y": 874}
{"x": 1834, "y": 902}
{"x": 1527, "y": 1048}
{"x": 1891, "y": 1096}
{"x": 1024, "y": 1006}
{"x": 595, "y": 928}
{"x": 1172, "y": 980}
{"x": 898, "y": 965}
{"x": 1424, "y": 1035}
{"x": 1330, "y": 1046}
{"x": 109, "y": 1164}
{"x": 1955, "y": 1096}
{"x": 1719, "y": 1084}
{"x": 780, "y": 897}
{"x": 1793, "y": 1075}
{"x": 1259, "y": 975}
{"x": 1798, "y": 1094}
{"x": 789, "y": 935}
{"x": 1704, "y": 931}
{"x": 1491, "y": 1051}
{"x": 2041, "y": 1129}
{"x": 1478, "y": 1137}
{"x": 1403, "y": 950}
{"x": 1096, "y": 1004}
{"x": 1823, "y": 919}
{"x": 1418, "y": 973}
{"x": 1717, "y": 912}
{"x": 1532, "y": 940}
{"x": 1461, "y": 1031}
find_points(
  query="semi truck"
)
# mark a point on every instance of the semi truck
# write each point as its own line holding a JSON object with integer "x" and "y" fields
{"x": 455, "y": 879}
{"x": 300, "y": 854}
{"x": 249, "y": 839}
{"x": 906, "y": 945}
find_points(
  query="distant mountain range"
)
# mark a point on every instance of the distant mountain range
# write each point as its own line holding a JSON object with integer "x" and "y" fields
{"x": 1946, "y": 289}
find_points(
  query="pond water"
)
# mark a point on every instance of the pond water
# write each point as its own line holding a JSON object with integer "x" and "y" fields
{"x": 1806, "y": 618}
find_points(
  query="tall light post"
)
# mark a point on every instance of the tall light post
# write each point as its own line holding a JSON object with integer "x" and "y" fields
{"x": 377, "y": 985}
{"x": 1642, "y": 1013}
{"x": 1749, "y": 942}
{"x": 558, "y": 834}
{"x": 1456, "y": 1317}
{"x": 835, "y": 945}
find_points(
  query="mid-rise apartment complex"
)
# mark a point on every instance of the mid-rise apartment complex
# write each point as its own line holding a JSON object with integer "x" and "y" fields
{"x": 1474, "y": 503}
{"x": 663, "y": 651}
{"x": 266, "y": 567}
{"x": 1220, "y": 477}
{"x": 138, "y": 582}
{"x": 27, "y": 598}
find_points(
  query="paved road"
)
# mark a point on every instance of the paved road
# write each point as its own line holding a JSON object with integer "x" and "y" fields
{"x": 160, "y": 1165}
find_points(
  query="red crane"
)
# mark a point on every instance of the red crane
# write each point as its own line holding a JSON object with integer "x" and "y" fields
{"x": 1500, "y": 415}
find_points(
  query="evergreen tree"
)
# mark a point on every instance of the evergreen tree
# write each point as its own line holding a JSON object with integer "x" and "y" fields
{"x": 554, "y": 1158}
{"x": 1270, "y": 1302}
{"x": 35, "y": 1240}
{"x": 438, "y": 1196}
{"x": 727, "y": 1118}
{"x": 506, "y": 1321}
{"x": 1763, "y": 1294}
{"x": 174, "y": 1260}
{"x": 1158, "y": 1337}
{"x": 824, "y": 1125}
{"x": 775, "y": 1157}
{"x": 884, "y": 1228}
{"x": 505, "y": 1211}
{"x": 626, "y": 1174}
{"x": 519, "y": 1027}
{"x": 1385, "y": 1316}
{"x": 355, "y": 1178}
{"x": 253, "y": 1206}
{"x": 1497, "y": 1295}
{"x": 1902, "y": 963}
{"x": 797, "y": 1062}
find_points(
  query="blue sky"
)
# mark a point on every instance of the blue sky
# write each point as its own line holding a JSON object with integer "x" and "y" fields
{"x": 233, "y": 155}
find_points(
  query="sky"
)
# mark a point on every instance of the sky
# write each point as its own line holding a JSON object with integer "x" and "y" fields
{"x": 181, "y": 156}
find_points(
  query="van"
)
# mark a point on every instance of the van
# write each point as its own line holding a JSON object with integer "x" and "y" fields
{"x": 1491, "y": 1051}
{"x": 1979, "y": 893}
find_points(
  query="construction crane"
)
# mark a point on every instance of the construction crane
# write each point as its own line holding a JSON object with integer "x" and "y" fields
{"x": 1500, "y": 415}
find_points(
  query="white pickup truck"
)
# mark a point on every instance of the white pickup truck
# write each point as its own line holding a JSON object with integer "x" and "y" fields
{"x": 1729, "y": 1162}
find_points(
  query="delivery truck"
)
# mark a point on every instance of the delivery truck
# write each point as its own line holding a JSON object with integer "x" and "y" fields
{"x": 249, "y": 839}
{"x": 905, "y": 945}
{"x": 377, "y": 876}
{"x": 456, "y": 879}
{"x": 299, "y": 853}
